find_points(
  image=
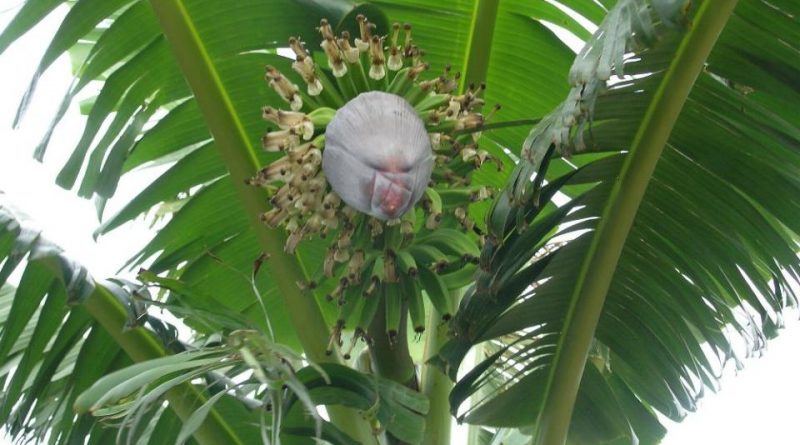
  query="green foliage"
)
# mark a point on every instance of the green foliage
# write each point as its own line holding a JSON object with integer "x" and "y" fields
{"x": 209, "y": 236}
{"x": 51, "y": 348}
{"x": 708, "y": 250}
{"x": 56, "y": 358}
{"x": 281, "y": 401}
{"x": 706, "y": 262}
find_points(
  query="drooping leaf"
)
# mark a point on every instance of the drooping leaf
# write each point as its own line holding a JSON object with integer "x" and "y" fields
{"x": 709, "y": 250}
{"x": 52, "y": 348}
{"x": 398, "y": 409}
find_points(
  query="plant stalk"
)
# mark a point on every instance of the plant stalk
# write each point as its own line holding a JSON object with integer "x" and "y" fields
{"x": 597, "y": 269}
{"x": 391, "y": 360}
{"x": 141, "y": 345}
{"x": 435, "y": 384}
{"x": 240, "y": 159}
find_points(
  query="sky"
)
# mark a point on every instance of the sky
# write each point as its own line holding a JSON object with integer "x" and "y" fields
{"x": 755, "y": 406}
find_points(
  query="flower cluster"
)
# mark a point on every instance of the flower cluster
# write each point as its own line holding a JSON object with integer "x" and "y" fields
{"x": 355, "y": 165}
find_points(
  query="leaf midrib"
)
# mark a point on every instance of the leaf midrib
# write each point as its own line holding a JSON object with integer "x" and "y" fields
{"x": 600, "y": 262}
{"x": 240, "y": 159}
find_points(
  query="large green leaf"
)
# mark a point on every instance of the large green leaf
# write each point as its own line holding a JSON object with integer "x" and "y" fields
{"x": 60, "y": 331}
{"x": 118, "y": 136}
{"x": 707, "y": 261}
{"x": 266, "y": 380}
{"x": 461, "y": 34}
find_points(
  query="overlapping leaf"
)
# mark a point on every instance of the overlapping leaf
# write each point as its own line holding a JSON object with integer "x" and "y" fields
{"x": 707, "y": 264}
{"x": 54, "y": 355}
{"x": 123, "y": 131}
{"x": 51, "y": 349}
{"x": 525, "y": 87}
{"x": 120, "y": 135}
{"x": 269, "y": 396}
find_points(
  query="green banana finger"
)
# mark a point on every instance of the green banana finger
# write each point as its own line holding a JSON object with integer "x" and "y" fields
{"x": 432, "y": 204}
{"x": 401, "y": 82}
{"x": 390, "y": 266}
{"x": 368, "y": 311}
{"x": 416, "y": 305}
{"x": 433, "y": 200}
{"x": 452, "y": 242}
{"x": 394, "y": 306}
{"x": 407, "y": 264}
{"x": 374, "y": 278}
{"x": 429, "y": 257}
{"x": 455, "y": 197}
{"x": 438, "y": 293}
{"x": 352, "y": 297}
{"x": 392, "y": 238}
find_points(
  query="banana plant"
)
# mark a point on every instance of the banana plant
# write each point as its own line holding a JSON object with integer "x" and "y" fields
{"x": 69, "y": 343}
{"x": 610, "y": 227}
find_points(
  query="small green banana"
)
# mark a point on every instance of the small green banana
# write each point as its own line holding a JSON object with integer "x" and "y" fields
{"x": 406, "y": 263}
{"x": 438, "y": 293}
{"x": 416, "y": 305}
{"x": 393, "y": 303}
{"x": 429, "y": 257}
{"x": 452, "y": 242}
{"x": 368, "y": 311}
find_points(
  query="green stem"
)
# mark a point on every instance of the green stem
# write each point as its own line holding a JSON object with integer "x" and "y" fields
{"x": 240, "y": 159}
{"x": 479, "y": 45}
{"x": 601, "y": 260}
{"x": 435, "y": 384}
{"x": 141, "y": 345}
{"x": 330, "y": 94}
{"x": 391, "y": 359}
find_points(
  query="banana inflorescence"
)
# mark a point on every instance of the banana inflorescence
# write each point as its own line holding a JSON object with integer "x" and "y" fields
{"x": 431, "y": 247}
